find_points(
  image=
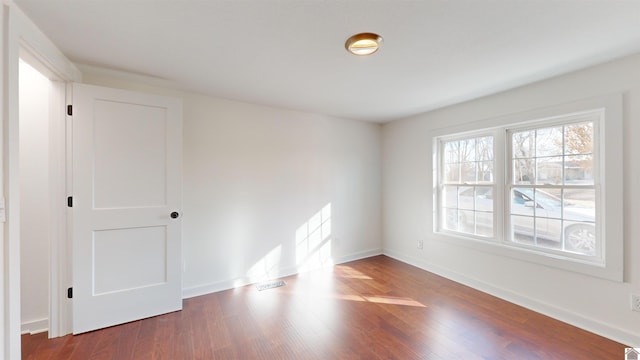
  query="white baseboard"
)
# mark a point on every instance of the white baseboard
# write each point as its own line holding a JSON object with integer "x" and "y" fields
{"x": 358, "y": 256}
{"x": 34, "y": 327}
{"x": 578, "y": 320}
{"x": 234, "y": 283}
{"x": 227, "y": 284}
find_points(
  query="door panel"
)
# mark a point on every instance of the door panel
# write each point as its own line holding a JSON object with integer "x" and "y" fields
{"x": 140, "y": 134}
{"x": 126, "y": 182}
{"x": 144, "y": 245}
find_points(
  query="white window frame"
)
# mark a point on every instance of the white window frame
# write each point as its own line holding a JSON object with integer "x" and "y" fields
{"x": 497, "y": 174}
{"x": 596, "y": 117}
{"x": 608, "y": 182}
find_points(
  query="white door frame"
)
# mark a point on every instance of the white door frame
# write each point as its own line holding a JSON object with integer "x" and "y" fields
{"x": 24, "y": 38}
{"x": 59, "y": 265}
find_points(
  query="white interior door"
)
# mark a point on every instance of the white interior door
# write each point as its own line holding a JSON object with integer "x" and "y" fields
{"x": 127, "y": 184}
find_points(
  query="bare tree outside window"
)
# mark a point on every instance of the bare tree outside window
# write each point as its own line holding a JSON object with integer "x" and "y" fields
{"x": 524, "y": 164}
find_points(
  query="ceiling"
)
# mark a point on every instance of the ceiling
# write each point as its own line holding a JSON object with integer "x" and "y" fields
{"x": 290, "y": 53}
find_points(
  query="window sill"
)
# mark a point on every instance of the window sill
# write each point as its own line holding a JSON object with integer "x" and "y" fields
{"x": 596, "y": 268}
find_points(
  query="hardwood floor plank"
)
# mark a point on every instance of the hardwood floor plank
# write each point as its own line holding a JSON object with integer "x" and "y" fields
{"x": 375, "y": 308}
{"x": 126, "y": 344}
{"x": 82, "y": 346}
{"x": 164, "y": 340}
{"x": 202, "y": 344}
{"x": 107, "y": 344}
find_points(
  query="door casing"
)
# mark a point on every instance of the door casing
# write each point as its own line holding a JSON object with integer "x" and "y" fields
{"x": 23, "y": 38}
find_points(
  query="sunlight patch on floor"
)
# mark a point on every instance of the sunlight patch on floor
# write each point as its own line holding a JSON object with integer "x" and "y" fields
{"x": 381, "y": 299}
{"x": 349, "y": 272}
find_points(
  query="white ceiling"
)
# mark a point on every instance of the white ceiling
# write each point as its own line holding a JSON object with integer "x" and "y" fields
{"x": 290, "y": 53}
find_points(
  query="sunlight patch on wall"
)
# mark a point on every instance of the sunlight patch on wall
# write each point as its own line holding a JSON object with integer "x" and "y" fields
{"x": 313, "y": 241}
{"x": 267, "y": 267}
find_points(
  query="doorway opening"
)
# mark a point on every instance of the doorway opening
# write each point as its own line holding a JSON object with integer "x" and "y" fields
{"x": 35, "y": 220}
{"x": 44, "y": 269}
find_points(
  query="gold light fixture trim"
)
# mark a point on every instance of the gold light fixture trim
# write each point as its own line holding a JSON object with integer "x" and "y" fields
{"x": 363, "y": 44}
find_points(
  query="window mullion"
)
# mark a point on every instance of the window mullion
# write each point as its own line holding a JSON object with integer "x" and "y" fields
{"x": 499, "y": 179}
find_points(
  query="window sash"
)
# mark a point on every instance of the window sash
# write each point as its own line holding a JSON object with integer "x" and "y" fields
{"x": 472, "y": 213}
{"x": 555, "y": 227}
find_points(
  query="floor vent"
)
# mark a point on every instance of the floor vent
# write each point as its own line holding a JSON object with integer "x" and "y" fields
{"x": 270, "y": 285}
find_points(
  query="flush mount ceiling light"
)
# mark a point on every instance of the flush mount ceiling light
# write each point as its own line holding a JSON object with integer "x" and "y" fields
{"x": 363, "y": 43}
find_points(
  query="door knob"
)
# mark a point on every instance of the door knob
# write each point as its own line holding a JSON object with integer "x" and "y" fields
{"x": 175, "y": 215}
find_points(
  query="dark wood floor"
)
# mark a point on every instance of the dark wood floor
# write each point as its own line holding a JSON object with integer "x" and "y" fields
{"x": 376, "y": 308}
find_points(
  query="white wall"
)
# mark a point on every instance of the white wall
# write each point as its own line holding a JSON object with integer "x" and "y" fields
{"x": 34, "y": 199}
{"x": 598, "y": 305}
{"x": 254, "y": 175}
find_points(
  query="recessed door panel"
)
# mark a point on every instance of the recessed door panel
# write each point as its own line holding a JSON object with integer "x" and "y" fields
{"x": 129, "y": 139}
{"x": 118, "y": 254}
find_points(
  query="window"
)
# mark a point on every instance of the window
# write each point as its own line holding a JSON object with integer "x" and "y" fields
{"x": 535, "y": 186}
{"x": 552, "y": 188}
{"x": 467, "y": 191}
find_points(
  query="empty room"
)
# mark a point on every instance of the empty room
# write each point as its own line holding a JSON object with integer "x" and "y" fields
{"x": 320, "y": 179}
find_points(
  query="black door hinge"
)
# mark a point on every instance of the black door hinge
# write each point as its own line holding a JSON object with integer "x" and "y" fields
{"x": 70, "y": 293}
{"x": 70, "y": 201}
{"x": 69, "y": 110}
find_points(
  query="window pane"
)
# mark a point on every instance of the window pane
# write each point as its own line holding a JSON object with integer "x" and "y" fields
{"x": 468, "y": 150}
{"x": 578, "y": 169}
{"x": 452, "y": 173}
{"x": 522, "y": 201}
{"x": 451, "y": 154}
{"x": 450, "y": 197}
{"x": 580, "y": 205}
{"x": 523, "y": 144}
{"x": 451, "y": 219}
{"x": 549, "y": 141}
{"x": 580, "y": 238}
{"x": 549, "y": 203}
{"x": 466, "y": 198}
{"x": 522, "y": 229}
{"x": 485, "y": 172}
{"x": 549, "y": 170}
{"x": 466, "y": 219}
{"x": 484, "y": 148}
{"x": 578, "y": 138}
{"x": 484, "y": 224}
{"x": 484, "y": 198}
{"x": 549, "y": 233}
{"x": 468, "y": 172}
{"x": 524, "y": 171}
